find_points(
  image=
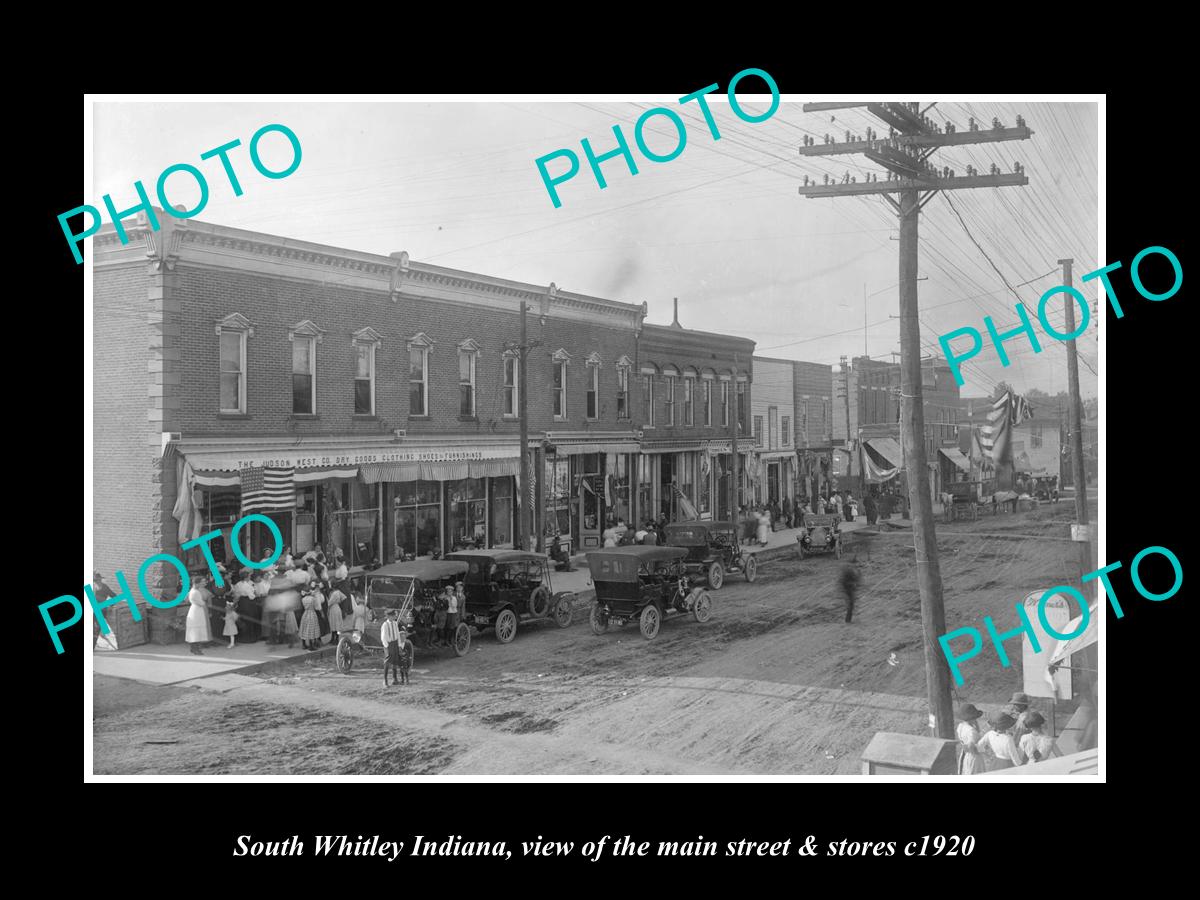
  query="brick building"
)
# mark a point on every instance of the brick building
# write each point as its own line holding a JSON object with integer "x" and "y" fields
{"x": 815, "y": 418}
{"x": 384, "y": 391}
{"x": 694, "y": 385}
{"x": 773, "y": 470}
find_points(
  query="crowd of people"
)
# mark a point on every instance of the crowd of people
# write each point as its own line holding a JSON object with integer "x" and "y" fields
{"x": 1015, "y": 736}
{"x": 306, "y": 599}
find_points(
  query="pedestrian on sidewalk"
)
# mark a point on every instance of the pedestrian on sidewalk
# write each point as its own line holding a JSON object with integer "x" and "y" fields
{"x": 337, "y": 612}
{"x": 1018, "y": 708}
{"x": 197, "y": 631}
{"x": 231, "y": 616}
{"x": 786, "y": 508}
{"x": 310, "y": 626}
{"x": 969, "y": 760}
{"x": 849, "y": 578}
{"x": 407, "y": 651}
{"x": 102, "y": 592}
{"x": 1036, "y": 744}
{"x": 871, "y": 508}
{"x": 848, "y": 507}
{"x": 998, "y": 746}
{"x": 389, "y": 635}
{"x": 764, "y": 527}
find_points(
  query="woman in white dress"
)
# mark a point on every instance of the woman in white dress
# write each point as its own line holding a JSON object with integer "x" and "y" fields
{"x": 998, "y": 745}
{"x": 1035, "y": 743}
{"x": 764, "y": 527}
{"x": 969, "y": 760}
{"x": 198, "y": 631}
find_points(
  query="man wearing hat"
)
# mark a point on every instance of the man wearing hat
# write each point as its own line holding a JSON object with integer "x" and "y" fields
{"x": 970, "y": 762}
{"x": 391, "y": 635}
{"x": 1018, "y": 708}
{"x": 999, "y": 745}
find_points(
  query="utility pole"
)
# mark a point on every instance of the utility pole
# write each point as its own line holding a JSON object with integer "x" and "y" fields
{"x": 905, "y": 153}
{"x": 1077, "y": 474}
{"x": 525, "y": 487}
{"x": 846, "y": 394}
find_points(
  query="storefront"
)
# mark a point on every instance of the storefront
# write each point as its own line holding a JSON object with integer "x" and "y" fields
{"x": 379, "y": 503}
{"x": 699, "y": 471}
{"x": 586, "y": 487}
{"x": 775, "y": 475}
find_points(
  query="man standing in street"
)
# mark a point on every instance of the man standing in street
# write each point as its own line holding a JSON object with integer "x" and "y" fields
{"x": 849, "y": 580}
{"x": 389, "y": 636}
{"x": 103, "y": 592}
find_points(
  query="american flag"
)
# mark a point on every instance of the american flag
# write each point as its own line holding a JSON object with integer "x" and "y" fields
{"x": 1007, "y": 412}
{"x": 268, "y": 488}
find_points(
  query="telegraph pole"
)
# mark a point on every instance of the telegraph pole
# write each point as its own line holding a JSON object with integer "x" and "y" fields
{"x": 905, "y": 153}
{"x": 733, "y": 422}
{"x": 1078, "y": 474}
{"x": 846, "y": 394}
{"x": 526, "y": 496}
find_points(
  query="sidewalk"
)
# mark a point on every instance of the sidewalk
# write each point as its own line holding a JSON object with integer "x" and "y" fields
{"x": 173, "y": 663}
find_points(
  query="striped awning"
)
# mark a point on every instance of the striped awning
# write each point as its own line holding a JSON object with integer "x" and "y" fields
{"x": 576, "y": 448}
{"x": 373, "y": 473}
{"x": 888, "y": 449}
{"x": 956, "y": 456}
{"x": 227, "y": 478}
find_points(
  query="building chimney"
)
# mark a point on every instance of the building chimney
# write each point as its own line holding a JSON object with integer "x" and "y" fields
{"x": 675, "y": 324}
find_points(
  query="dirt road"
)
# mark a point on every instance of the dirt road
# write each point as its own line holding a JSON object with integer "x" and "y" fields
{"x": 775, "y": 683}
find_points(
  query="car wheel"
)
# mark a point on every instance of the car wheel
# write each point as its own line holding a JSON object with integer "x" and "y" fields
{"x": 716, "y": 576}
{"x": 598, "y": 619}
{"x": 506, "y": 626}
{"x": 345, "y": 656}
{"x": 752, "y": 565}
{"x": 462, "y": 639}
{"x": 539, "y": 602}
{"x": 650, "y": 621}
{"x": 702, "y": 606}
{"x": 564, "y": 609}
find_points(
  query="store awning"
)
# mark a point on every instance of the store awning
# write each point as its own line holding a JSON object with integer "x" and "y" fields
{"x": 777, "y": 454}
{"x": 577, "y": 448}
{"x": 373, "y": 473}
{"x": 888, "y": 449}
{"x": 1074, "y": 645}
{"x": 1082, "y": 762}
{"x": 956, "y": 456}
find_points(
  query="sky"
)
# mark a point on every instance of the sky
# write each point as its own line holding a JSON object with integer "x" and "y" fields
{"x": 722, "y": 227}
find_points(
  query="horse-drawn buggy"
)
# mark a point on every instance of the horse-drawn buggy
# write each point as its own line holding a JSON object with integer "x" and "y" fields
{"x": 645, "y": 583}
{"x": 505, "y": 587}
{"x": 713, "y": 551}
{"x": 410, "y": 588}
{"x": 820, "y": 534}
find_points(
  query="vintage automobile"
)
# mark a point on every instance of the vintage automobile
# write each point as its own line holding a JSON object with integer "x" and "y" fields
{"x": 410, "y": 588}
{"x": 820, "y": 534}
{"x": 643, "y": 583}
{"x": 505, "y": 587}
{"x": 713, "y": 551}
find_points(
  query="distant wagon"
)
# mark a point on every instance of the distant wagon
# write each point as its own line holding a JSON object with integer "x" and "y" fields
{"x": 644, "y": 583}
{"x": 713, "y": 551}
{"x": 505, "y": 587}
{"x": 410, "y": 588}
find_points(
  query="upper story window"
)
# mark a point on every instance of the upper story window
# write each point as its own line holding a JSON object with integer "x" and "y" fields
{"x": 689, "y": 398}
{"x": 741, "y": 404}
{"x": 511, "y": 362}
{"x": 304, "y": 337}
{"x": 418, "y": 374}
{"x": 648, "y": 375}
{"x": 365, "y": 342}
{"x": 670, "y": 374}
{"x": 706, "y": 398}
{"x": 624, "y": 364}
{"x": 758, "y": 431}
{"x": 561, "y": 359}
{"x": 468, "y": 355}
{"x": 233, "y": 332}
{"x": 725, "y": 402}
{"x": 593, "y": 386}
{"x": 786, "y": 431}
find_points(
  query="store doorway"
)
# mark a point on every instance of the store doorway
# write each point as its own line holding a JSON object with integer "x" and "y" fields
{"x": 666, "y": 479}
{"x": 773, "y": 497}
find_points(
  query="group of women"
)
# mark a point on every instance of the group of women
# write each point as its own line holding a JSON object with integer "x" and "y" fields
{"x": 1015, "y": 737}
{"x": 303, "y": 599}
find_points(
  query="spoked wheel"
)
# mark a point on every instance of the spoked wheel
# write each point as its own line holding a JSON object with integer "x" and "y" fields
{"x": 598, "y": 619}
{"x": 462, "y": 639}
{"x": 716, "y": 576}
{"x": 539, "y": 602}
{"x": 650, "y": 621}
{"x": 345, "y": 656}
{"x": 563, "y": 609}
{"x": 752, "y": 565}
{"x": 702, "y": 607}
{"x": 506, "y": 626}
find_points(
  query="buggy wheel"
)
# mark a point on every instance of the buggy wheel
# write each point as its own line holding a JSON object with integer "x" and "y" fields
{"x": 539, "y": 602}
{"x": 563, "y": 609}
{"x": 716, "y": 575}
{"x": 462, "y": 639}
{"x": 650, "y": 621}
{"x": 345, "y": 656}
{"x": 702, "y": 607}
{"x": 752, "y": 565}
{"x": 506, "y": 626}
{"x": 598, "y": 619}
